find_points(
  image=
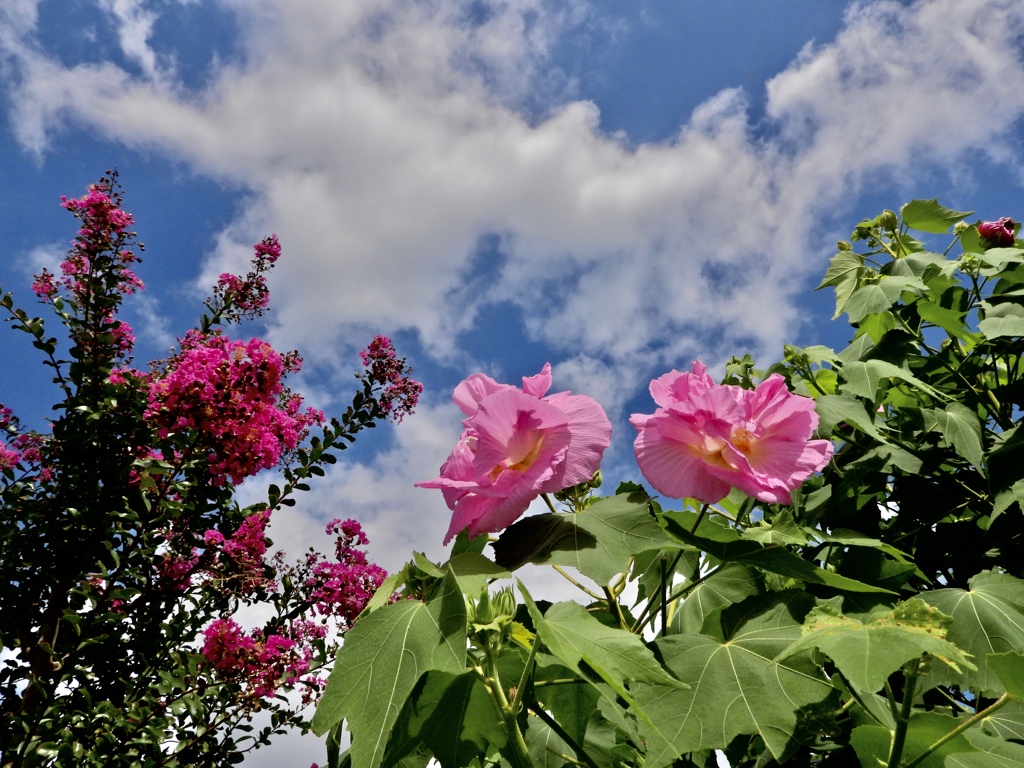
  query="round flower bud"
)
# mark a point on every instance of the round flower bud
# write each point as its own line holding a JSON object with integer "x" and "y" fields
{"x": 888, "y": 221}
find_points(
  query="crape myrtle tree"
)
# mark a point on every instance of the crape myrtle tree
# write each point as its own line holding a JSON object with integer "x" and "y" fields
{"x": 840, "y": 585}
{"x": 124, "y": 558}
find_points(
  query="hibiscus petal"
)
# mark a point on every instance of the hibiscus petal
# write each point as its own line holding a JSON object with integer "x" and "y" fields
{"x": 668, "y": 456}
{"x": 511, "y": 427}
{"x": 674, "y": 387}
{"x": 538, "y": 385}
{"x": 475, "y": 388}
{"x": 590, "y": 434}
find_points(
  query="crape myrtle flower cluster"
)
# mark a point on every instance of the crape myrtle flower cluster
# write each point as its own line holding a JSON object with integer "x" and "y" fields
{"x": 336, "y": 590}
{"x": 22, "y": 449}
{"x": 103, "y": 237}
{"x": 342, "y": 588}
{"x": 400, "y": 392}
{"x": 248, "y": 296}
{"x": 99, "y": 264}
{"x": 231, "y": 393}
{"x": 132, "y": 499}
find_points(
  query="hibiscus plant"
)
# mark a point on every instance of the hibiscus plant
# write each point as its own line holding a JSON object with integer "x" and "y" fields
{"x": 824, "y": 570}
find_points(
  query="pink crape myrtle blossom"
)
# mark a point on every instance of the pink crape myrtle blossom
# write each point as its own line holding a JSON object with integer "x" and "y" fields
{"x": 249, "y": 296}
{"x": 400, "y": 392}
{"x": 260, "y": 662}
{"x": 706, "y": 438}
{"x": 342, "y": 588}
{"x": 517, "y": 444}
{"x": 232, "y": 393}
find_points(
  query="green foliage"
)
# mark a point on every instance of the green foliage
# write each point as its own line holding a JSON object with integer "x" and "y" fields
{"x": 876, "y": 621}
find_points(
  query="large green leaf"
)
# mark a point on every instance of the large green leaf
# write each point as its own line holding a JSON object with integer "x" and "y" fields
{"x": 988, "y": 617}
{"x": 872, "y": 743}
{"x": 730, "y": 584}
{"x": 383, "y": 658}
{"x": 995, "y": 749}
{"x": 867, "y": 653}
{"x": 987, "y": 759}
{"x": 961, "y": 429}
{"x": 573, "y": 636}
{"x": 926, "y": 729}
{"x": 861, "y": 378}
{"x": 1007, "y": 722}
{"x": 615, "y": 656}
{"x": 1009, "y": 668}
{"x": 598, "y": 541}
{"x": 736, "y": 686}
{"x": 878, "y": 297}
{"x": 998, "y": 259}
{"x": 473, "y": 571}
{"x": 546, "y": 748}
{"x": 782, "y": 530}
{"x": 772, "y": 558}
{"x": 450, "y": 714}
{"x": 567, "y": 696}
{"x": 923, "y": 264}
{"x": 949, "y": 320}
{"x": 843, "y": 274}
{"x": 931, "y": 216}
{"x": 836, "y": 409}
{"x": 1006, "y": 319}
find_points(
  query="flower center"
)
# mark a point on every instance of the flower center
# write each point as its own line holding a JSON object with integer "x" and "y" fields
{"x": 742, "y": 439}
{"x": 522, "y": 464}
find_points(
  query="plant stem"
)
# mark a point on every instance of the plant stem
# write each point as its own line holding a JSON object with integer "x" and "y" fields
{"x": 516, "y": 751}
{"x": 903, "y": 722}
{"x": 977, "y": 717}
{"x": 576, "y": 583}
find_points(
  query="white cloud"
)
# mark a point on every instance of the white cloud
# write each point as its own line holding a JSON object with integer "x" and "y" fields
{"x": 134, "y": 28}
{"x": 381, "y": 139}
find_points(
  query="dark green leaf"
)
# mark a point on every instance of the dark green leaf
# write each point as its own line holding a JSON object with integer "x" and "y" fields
{"x": 452, "y": 715}
{"x": 383, "y": 657}
{"x": 573, "y": 635}
{"x": 878, "y": 297}
{"x": 736, "y": 686}
{"x": 930, "y": 216}
{"x": 1006, "y": 319}
{"x": 867, "y": 653}
{"x": 961, "y": 428}
{"x": 598, "y": 541}
{"x": 988, "y": 617}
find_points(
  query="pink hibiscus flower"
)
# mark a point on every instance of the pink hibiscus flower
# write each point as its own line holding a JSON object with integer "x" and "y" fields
{"x": 517, "y": 444}
{"x": 706, "y": 438}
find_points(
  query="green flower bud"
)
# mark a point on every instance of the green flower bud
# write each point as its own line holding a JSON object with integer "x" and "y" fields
{"x": 888, "y": 221}
{"x": 504, "y": 603}
{"x": 844, "y": 245}
{"x": 960, "y": 227}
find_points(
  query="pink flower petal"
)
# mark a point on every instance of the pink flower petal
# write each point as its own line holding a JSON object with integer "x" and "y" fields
{"x": 517, "y": 445}
{"x": 706, "y": 437}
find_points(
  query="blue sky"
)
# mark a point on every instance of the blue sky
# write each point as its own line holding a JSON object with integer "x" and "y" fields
{"x": 613, "y": 187}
